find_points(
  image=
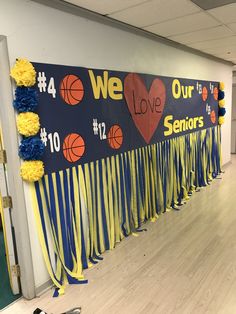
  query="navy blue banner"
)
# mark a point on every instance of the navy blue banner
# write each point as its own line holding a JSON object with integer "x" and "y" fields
{"x": 89, "y": 114}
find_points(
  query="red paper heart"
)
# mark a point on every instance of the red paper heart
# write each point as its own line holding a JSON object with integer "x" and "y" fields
{"x": 146, "y": 108}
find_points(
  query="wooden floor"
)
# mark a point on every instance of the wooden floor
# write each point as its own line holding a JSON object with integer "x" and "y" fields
{"x": 185, "y": 263}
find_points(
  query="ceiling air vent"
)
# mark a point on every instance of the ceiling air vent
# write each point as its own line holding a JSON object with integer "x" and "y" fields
{"x": 211, "y": 4}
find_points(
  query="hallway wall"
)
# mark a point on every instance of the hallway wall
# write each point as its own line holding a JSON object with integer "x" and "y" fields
{"x": 233, "y": 131}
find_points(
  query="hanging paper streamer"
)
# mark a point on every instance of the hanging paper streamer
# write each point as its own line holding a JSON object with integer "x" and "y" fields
{"x": 120, "y": 149}
{"x": 89, "y": 208}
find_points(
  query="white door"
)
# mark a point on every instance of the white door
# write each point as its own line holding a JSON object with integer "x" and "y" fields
{"x": 7, "y": 227}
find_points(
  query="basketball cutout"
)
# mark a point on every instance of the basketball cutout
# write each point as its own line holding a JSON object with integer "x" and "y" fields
{"x": 115, "y": 137}
{"x": 73, "y": 147}
{"x": 215, "y": 93}
{"x": 213, "y": 116}
{"x": 204, "y": 93}
{"x": 71, "y": 89}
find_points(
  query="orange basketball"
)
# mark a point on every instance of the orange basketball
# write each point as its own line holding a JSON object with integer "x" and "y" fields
{"x": 71, "y": 89}
{"x": 73, "y": 147}
{"x": 213, "y": 116}
{"x": 115, "y": 137}
{"x": 204, "y": 93}
{"x": 215, "y": 93}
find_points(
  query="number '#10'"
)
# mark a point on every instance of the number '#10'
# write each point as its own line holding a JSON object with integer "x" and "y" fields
{"x": 54, "y": 140}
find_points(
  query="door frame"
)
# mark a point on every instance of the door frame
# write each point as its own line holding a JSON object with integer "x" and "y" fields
{"x": 15, "y": 184}
{"x": 7, "y": 229}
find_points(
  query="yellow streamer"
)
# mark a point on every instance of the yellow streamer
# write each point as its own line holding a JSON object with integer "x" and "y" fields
{"x": 161, "y": 175}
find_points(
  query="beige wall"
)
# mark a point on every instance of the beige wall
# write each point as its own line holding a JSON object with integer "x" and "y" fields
{"x": 233, "y": 131}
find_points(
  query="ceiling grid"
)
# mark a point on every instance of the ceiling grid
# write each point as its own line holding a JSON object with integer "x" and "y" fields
{"x": 205, "y": 25}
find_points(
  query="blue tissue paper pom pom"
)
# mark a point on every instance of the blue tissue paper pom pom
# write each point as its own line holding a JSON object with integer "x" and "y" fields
{"x": 26, "y": 99}
{"x": 222, "y": 111}
{"x": 31, "y": 148}
{"x": 221, "y": 95}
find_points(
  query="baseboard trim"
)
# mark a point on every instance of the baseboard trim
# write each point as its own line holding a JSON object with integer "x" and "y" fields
{"x": 227, "y": 164}
{"x": 44, "y": 287}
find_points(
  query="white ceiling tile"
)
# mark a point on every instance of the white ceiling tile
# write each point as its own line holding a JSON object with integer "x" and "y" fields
{"x": 232, "y": 26}
{"x": 226, "y": 14}
{"x": 228, "y": 57}
{"x": 179, "y": 20}
{"x": 184, "y": 24}
{"x": 202, "y": 35}
{"x": 227, "y": 41}
{"x": 155, "y": 11}
{"x": 105, "y": 6}
{"x": 227, "y": 50}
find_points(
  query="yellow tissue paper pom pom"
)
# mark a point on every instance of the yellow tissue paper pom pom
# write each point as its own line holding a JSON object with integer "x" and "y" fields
{"x": 221, "y": 120}
{"x": 221, "y": 103}
{"x": 32, "y": 170}
{"x": 23, "y": 73}
{"x": 28, "y": 123}
{"x": 222, "y": 86}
